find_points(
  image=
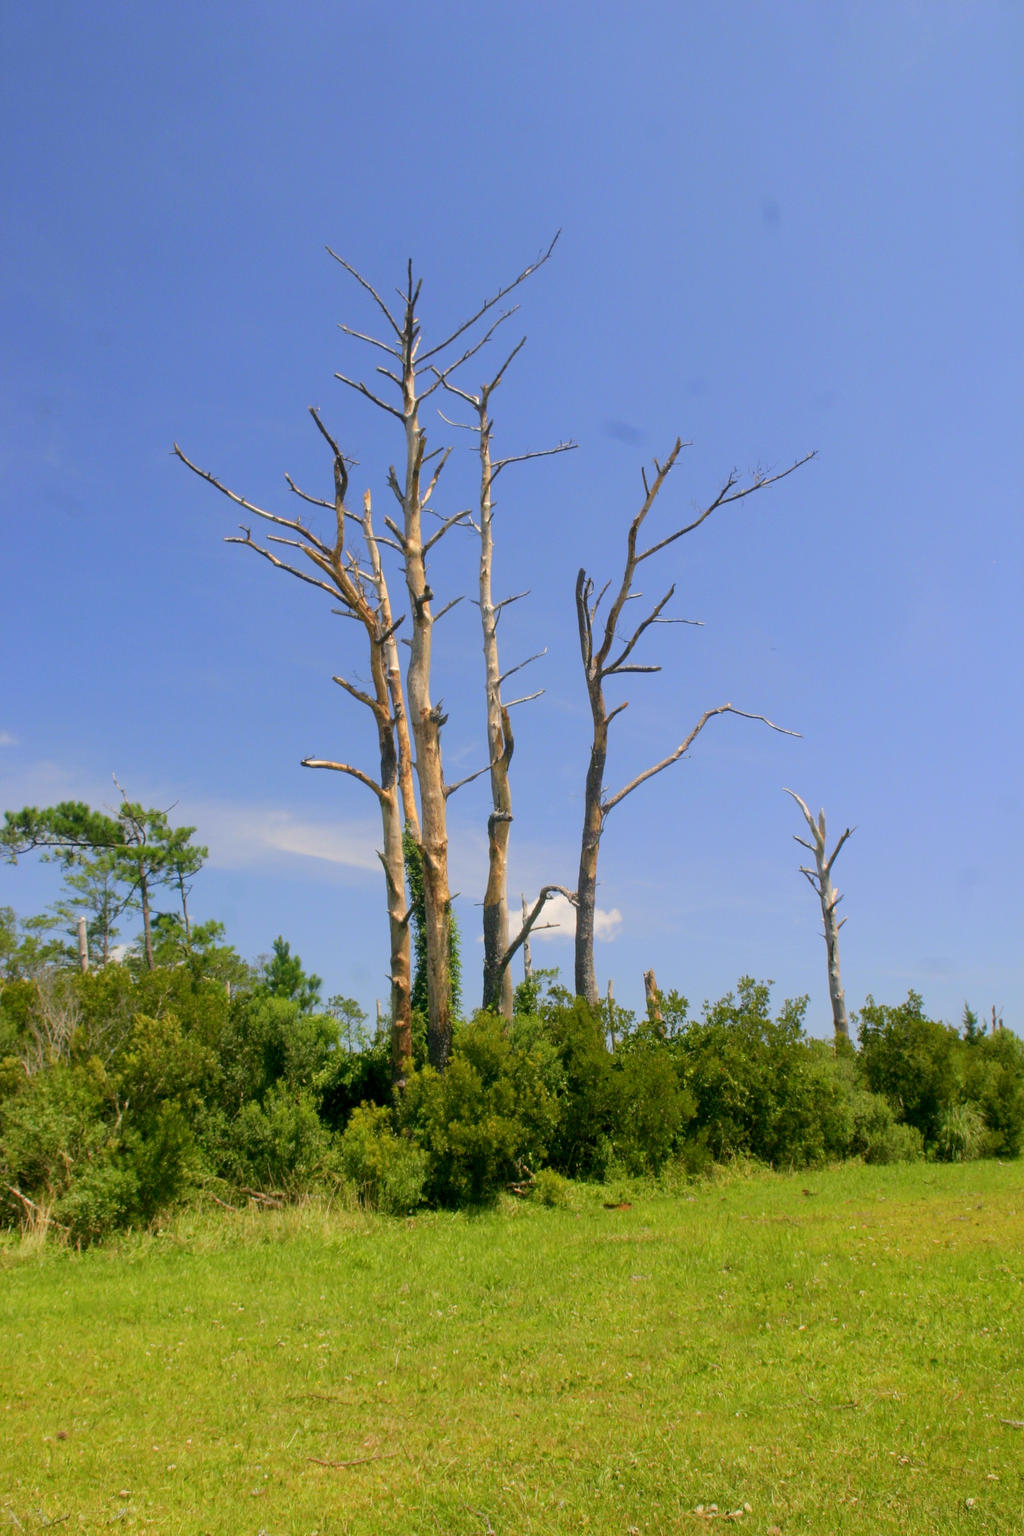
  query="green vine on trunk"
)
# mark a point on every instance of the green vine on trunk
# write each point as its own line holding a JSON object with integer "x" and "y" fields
{"x": 417, "y": 907}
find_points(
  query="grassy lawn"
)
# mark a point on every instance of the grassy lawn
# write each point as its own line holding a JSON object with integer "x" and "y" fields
{"x": 831, "y": 1352}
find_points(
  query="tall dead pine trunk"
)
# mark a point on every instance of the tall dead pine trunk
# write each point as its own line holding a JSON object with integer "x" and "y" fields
{"x": 497, "y": 978}
{"x": 606, "y": 654}
{"x": 820, "y": 880}
{"x": 364, "y": 596}
{"x": 413, "y": 487}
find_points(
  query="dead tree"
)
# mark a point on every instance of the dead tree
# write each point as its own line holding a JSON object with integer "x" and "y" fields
{"x": 497, "y": 979}
{"x": 413, "y": 488}
{"x": 364, "y": 597}
{"x": 606, "y": 654}
{"x": 652, "y": 1000}
{"x": 820, "y": 880}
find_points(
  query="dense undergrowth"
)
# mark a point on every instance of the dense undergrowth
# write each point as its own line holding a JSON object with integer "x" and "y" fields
{"x": 124, "y": 1092}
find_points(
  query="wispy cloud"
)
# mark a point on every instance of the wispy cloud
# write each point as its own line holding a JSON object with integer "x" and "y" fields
{"x": 244, "y": 836}
{"x": 7, "y": 740}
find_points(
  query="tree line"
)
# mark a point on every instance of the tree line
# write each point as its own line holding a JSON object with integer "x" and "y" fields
{"x": 127, "y": 1089}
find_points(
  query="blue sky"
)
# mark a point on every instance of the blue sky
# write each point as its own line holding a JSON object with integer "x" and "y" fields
{"x": 785, "y": 227}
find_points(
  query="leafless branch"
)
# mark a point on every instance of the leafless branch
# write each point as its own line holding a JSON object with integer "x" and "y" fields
{"x": 513, "y": 599}
{"x": 442, "y": 374}
{"x": 488, "y": 389}
{"x": 463, "y": 426}
{"x": 399, "y": 542}
{"x": 448, "y": 607}
{"x": 361, "y": 389}
{"x": 546, "y": 892}
{"x": 439, "y": 533}
{"x": 249, "y": 506}
{"x": 355, "y": 773}
{"x": 370, "y": 290}
{"x": 316, "y": 501}
{"x": 372, "y": 340}
{"x": 725, "y": 496}
{"x": 490, "y": 303}
{"x": 355, "y": 693}
{"x": 652, "y": 617}
{"x": 449, "y": 789}
{"x": 282, "y": 565}
{"x": 525, "y": 699}
{"x": 832, "y": 858}
{"x": 673, "y": 757}
{"x": 536, "y": 453}
{"x": 520, "y": 665}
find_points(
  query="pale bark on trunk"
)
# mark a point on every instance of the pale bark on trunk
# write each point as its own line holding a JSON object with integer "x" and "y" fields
{"x": 497, "y": 978}
{"x": 527, "y": 957}
{"x": 497, "y": 990}
{"x": 83, "y": 946}
{"x": 820, "y": 880}
{"x": 652, "y": 1000}
{"x": 393, "y": 667}
{"x": 426, "y": 718}
{"x": 340, "y": 576}
{"x": 608, "y": 656}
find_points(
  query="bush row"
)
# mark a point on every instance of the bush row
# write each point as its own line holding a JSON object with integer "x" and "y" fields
{"x": 120, "y": 1094}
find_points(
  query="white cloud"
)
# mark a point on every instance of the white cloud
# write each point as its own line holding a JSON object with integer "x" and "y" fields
{"x": 607, "y": 924}
{"x": 336, "y": 845}
{"x": 561, "y": 912}
{"x": 7, "y": 740}
{"x": 251, "y": 835}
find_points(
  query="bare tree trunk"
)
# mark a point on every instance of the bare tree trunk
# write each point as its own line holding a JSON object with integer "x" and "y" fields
{"x": 497, "y": 992}
{"x": 652, "y": 998}
{"x": 426, "y": 718}
{"x": 497, "y": 988}
{"x": 412, "y": 713}
{"x": 396, "y": 692}
{"x": 590, "y": 846}
{"x": 820, "y": 881}
{"x": 340, "y": 575}
{"x": 611, "y": 1013}
{"x": 599, "y": 663}
{"x": 83, "y": 946}
{"x": 527, "y": 957}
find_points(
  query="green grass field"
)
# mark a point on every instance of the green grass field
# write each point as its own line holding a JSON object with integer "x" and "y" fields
{"x": 833, "y": 1352}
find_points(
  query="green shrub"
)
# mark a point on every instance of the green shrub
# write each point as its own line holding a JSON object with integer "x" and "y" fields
{"x": 994, "y": 1080}
{"x": 51, "y": 1130}
{"x": 484, "y": 1120}
{"x": 354, "y": 1077}
{"x": 549, "y": 1188}
{"x": 650, "y": 1107}
{"x": 583, "y": 1140}
{"x": 159, "y": 1152}
{"x": 761, "y": 1089}
{"x": 280, "y": 1144}
{"x": 387, "y": 1171}
{"x": 913, "y": 1060}
{"x": 101, "y": 1198}
{"x": 878, "y": 1137}
{"x": 960, "y": 1134}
